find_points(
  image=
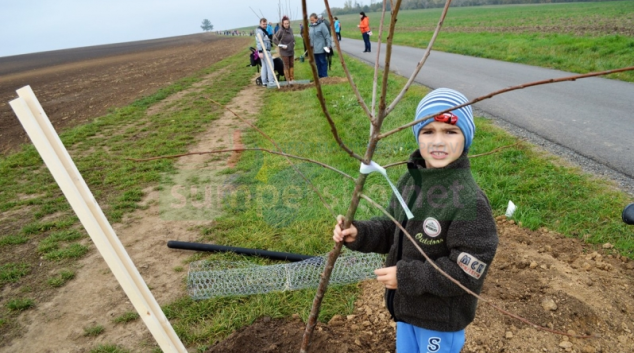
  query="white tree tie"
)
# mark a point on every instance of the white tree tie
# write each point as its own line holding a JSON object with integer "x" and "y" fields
{"x": 374, "y": 167}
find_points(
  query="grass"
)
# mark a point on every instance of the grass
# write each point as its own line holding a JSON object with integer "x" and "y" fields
{"x": 61, "y": 279}
{"x": 13, "y": 240}
{"x": 12, "y": 272}
{"x": 20, "y": 304}
{"x": 575, "y": 37}
{"x": 126, "y": 317}
{"x": 93, "y": 331}
{"x": 109, "y": 348}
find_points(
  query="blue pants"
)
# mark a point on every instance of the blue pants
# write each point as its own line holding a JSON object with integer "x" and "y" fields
{"x": 413, "y": 339}
{"x": 366, "y": 40}
{"x": 322, "y": 64}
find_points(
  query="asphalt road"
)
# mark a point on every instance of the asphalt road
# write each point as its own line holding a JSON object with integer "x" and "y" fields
{"x": 593, "y": 117}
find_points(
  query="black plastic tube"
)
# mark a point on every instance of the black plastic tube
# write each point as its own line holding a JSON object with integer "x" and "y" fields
{"x": 274, "y": 255}
{"x": 628, "y": 214}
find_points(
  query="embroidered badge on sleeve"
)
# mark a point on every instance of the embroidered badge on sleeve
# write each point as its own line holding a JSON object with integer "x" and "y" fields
{"x": 471, "y": 265}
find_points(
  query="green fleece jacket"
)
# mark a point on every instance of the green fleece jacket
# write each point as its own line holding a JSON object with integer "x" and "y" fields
{"x": 454, "y": 225}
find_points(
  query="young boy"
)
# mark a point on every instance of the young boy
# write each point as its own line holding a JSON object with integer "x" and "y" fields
{"x": 452, "y": 223}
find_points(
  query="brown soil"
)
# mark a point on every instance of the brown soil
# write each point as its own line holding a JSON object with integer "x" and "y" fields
{"x": 73, "y": 92}
{"x": 303, "y": 86}
{"x": 550, "y": 280}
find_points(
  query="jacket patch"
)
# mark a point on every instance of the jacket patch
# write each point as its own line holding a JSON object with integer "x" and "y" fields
{"x": 426, "y": 241}
{"x": 431, "y": 227}
{"x": 471, "y": 265}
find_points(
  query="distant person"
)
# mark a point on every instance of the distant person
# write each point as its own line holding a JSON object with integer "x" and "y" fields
{"x": 364, "y": 27}
{"x": 321, "y": 18}
{"x": 321, "y": 41}
{"x": 269, "y": 31}
{"x": 266, "y": 72}
{"x": 338, "y": 29}
{"x": 285, "y": 40}
{"x": 277, "y": 28}
{"x": 301, "y": 33}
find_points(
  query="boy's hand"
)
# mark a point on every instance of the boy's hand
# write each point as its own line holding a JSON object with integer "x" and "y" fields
{"x": 347, "y": 235}
{"x": 387, "y": 276}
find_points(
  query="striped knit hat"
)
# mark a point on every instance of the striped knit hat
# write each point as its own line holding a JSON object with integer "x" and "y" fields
{"x": 441, "y": 99}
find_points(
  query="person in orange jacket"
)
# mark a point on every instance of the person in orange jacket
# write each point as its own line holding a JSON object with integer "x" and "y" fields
{"x": 364, "y": 27}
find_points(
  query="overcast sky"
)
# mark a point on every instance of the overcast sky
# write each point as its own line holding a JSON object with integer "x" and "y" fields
{"x": 42, "y": 25}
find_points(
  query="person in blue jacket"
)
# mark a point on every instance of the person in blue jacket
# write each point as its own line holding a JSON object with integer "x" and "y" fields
{"x": 338, "y": 29}
{"x": 321, "y": 41}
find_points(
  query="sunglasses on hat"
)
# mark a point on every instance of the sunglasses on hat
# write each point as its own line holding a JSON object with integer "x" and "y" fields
{"x": 448, "y": 118}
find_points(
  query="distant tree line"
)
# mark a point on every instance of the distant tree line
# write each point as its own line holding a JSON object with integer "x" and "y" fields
{"x": 351, "y": 6}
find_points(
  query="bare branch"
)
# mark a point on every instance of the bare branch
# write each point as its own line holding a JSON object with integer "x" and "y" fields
{"x": 378, "y": 57}
{"x": 494, "y": 150}
{"x": 472, "y": 156}
{"x": 509, "y": 89}
{"x": 299, "y": 172}
{"x": 256, "y": 15}
{"x": 388, "y": 58}
{"x": 456, "y": 282}
{"x": 394, "y": 164}
{"x": 320, "y": 94}
{"x": 241, "y": 150}
{"x": 422, "y": 61}
{"x": 345, "y": 67}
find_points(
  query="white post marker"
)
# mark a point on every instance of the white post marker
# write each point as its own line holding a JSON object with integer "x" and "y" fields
{"x": 56, "y": 157}
{"x": 268, "y": 59}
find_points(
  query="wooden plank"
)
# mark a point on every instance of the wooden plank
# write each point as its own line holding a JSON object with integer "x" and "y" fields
{"x": 63, "y": 169}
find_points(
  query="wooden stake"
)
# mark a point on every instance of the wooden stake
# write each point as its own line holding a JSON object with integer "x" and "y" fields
{"x": 268, "y": 59}
{"x": 58, "y": 161}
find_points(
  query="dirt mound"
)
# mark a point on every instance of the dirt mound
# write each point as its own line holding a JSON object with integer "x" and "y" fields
{"x": 323, "y": 81}
{"x": 552, "y": 281}
{"x": 282, "y": 336}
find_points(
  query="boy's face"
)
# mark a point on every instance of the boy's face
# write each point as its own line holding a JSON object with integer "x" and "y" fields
{"x": 263, "y": 24}
{"x": 440, "y": 144}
